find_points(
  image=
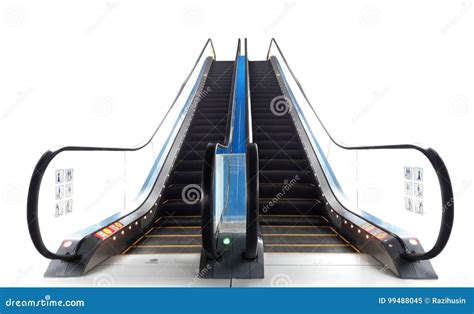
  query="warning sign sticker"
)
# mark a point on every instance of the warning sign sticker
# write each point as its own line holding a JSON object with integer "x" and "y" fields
{"x": 109, "y": 230}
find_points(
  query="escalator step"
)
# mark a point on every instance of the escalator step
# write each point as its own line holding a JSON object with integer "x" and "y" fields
{"x": 301, "y": 234}
{"x": 301, "y": 220}
{"x": 179, "y": 228}
{"x": 170, "y": 234}
{"x": 290, "y": 200}
{"x": 185, "y": 177}
{"x": 287, "y": 185}
{"x": 309, "y": 248}
{"x": 164, "y": 249}
{"x": 287, "y": 164}
{"x": 279, "y": 145}
{"x": 280, "y": 176}
{"x": 177, "y": 207}
{"x": 177, "y": 191}
{"x": 290, "y": 190}
{"x": 188, "y": 165}
{"x": 292, "y": 206}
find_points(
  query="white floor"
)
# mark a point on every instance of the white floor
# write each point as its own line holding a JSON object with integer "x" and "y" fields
{"x": 281, "y": 270}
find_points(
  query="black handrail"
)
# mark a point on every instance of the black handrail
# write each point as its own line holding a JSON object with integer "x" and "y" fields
{"x": 253, "y": 197}
{"x": 447, "y": 198}
{"x": 252, "y": 166}
{"x": 207, "y": 202}
{"x": 41, "y": 166}
{"x": 248, "y": 106}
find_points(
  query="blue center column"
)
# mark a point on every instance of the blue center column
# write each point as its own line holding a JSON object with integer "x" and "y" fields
{"x": 234, "y": 215}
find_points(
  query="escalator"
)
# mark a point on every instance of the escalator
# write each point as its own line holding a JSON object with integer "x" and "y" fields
{"x": 319, "y": 196}
{"x": 240, "y": 166}
{"x": 295, "y": 221}
{"x": 138, "y": 200}
{"x": 178, "y": 229}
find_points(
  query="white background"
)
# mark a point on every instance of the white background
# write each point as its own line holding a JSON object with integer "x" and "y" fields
{"x": 104, "y": 72}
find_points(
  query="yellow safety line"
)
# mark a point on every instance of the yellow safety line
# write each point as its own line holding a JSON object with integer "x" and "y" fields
{"x": 292, "y": 199}
{"x": 350, "y": 244}
{"x": 274, "y": 226}
{"x": 126, "y": 250}
{"x": 300, "y": 235}
{"x": 166, "y": 246}
{"x": 147, "y": 234}
{"x": 295, "y": 216}
{"x": 153, "y": 253}
{"x": 139, "y": 239}
{"x": 310, "y": 245}
{"x": 171, "y": 235}
{"x": 292, "y": 252}
{"x": 179, "y": 227}
{"x": 149, "y": 231}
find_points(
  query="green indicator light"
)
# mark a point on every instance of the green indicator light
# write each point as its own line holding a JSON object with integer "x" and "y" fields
{"x": 226, "y": 241}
